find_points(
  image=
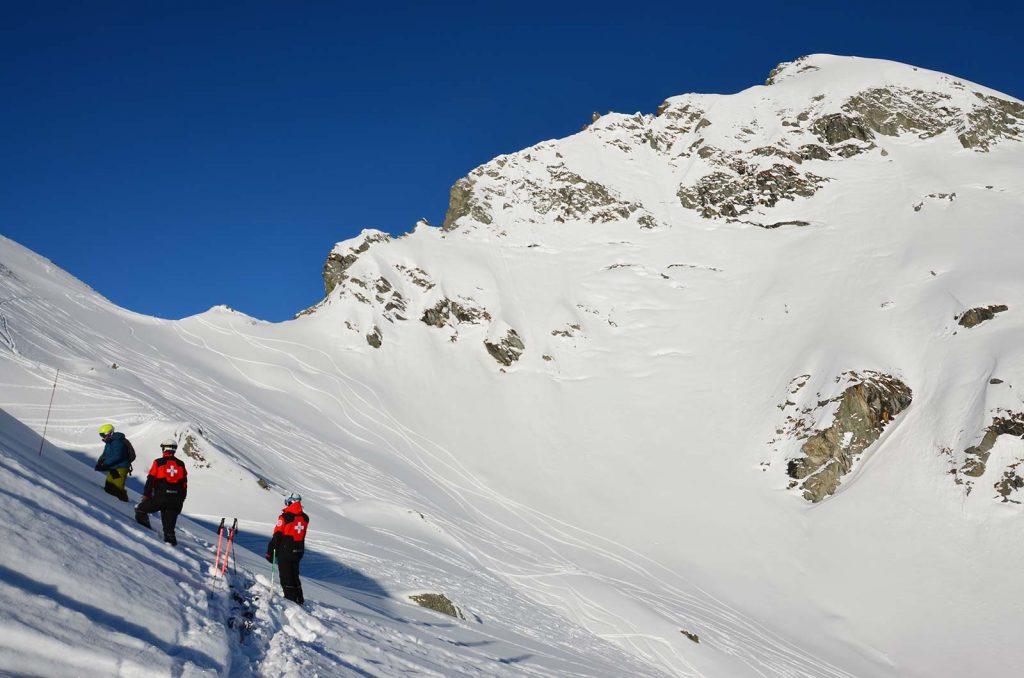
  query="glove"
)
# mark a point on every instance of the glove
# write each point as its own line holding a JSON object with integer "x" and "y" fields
{"x": 100, "y": 466}
{"x": 270, "y": 557}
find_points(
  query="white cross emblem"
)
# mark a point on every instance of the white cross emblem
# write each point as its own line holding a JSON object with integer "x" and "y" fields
{"x": 172, "y": 471}
{"x": 299, "y": 527}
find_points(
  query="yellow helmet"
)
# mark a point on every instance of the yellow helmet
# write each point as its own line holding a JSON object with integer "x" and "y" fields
{"x": 106, "y": 430}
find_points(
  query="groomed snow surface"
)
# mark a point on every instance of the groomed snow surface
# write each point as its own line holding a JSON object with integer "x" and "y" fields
{"x": 624, "y": 481}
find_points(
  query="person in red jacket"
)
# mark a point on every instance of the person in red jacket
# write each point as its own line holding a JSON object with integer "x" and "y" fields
{"x": 166, "y": 487}
{"x": 288, "y": 544}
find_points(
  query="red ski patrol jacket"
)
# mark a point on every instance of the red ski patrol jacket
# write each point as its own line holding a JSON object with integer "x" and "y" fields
{"x": 289, "y": 533}
{"x": 167, "y": 478}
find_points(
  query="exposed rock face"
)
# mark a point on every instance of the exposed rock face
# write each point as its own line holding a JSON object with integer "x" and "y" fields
{"x": 375, "y": 338}
{"x": 895, "y": 110}
{"x": 552, "y": 191}
{"x": 438, "y": 602}
{"x": 1010, "y": 483}
{"x": 461, "y": 203}
{"x": 339, "y": 262}
{"x": 508, "y": 350}
{"x": 789, "y": 68}
{"x": 191, "y": 447}
{"x": 1007, "y": 423}
{"x": 863, "y": 411}
{"x": 837, "y": 128}
{"x": 446, "y": 312}
{"x": 976, "y": 316}
{"x": 987, "y": 124}
{"x": 723, "y": 194}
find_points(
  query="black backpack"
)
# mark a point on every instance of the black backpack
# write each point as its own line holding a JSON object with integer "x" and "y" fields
{"x": 131, "y": 455}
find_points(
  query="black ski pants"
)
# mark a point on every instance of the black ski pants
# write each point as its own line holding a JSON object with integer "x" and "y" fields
{"x": 169, "y": 507}
{"x": 288, "y": 566}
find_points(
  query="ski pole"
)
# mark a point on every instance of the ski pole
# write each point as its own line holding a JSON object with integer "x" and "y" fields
{"x": 273, "y": 566}
{"x": 227, "y": 550}
{"x": 234, "y": 561}
{"x": 45, "y": 425}
{"x": 220, "y": 536}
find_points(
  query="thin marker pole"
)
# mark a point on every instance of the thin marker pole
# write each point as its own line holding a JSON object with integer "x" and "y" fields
{"x": 45, "y": 425}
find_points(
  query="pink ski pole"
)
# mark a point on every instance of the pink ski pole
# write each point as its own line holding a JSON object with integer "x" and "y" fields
{"x": 220, "y": 537}
{"x": 227, "y": 550}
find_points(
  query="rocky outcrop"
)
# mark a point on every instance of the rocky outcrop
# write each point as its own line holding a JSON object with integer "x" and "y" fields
{"x": 508, "y": 349}
{"x": 863, "y": 411}
{"x": 192, "y": 444}
{"x": 448, "y": 312}
{"x": 836, "y": 128}
{"x": 375, "y": 338}
{"x": 976, "y": 316}
{"x": 1010, "y": 483}
{"x": 417, "y": 276}
{"x": 995, "y": 120}
{"x": 788, "y": 69}
{"x": 438, "y": 602}
{"x": 462, "y": 202}
{"x": 725, "y": 194}
{"x": 1004, "y": 423}
{"x": 892, "y": 111}
{"x": 571, "y": 197}
{"x": 339, "y": 261}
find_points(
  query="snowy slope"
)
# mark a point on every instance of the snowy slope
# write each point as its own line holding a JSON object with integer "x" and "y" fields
{"x": 94, "y": 594}
{"x": 574, "y": 409}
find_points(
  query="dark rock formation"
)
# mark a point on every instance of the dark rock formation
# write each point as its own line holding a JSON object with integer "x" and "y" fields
{"x": 462, "y": 202}
{"x": 508, "y": 350}
{"x": 997, "y": 119}
{"x": 446, "y": 312}
{"x": 1007, "y": 423}
{"x": 864, "y": 410}
{"x": 976, "y": 316}
{"x": 723, "y": 194}
{"x": 837, "y": 128}
{"x": 789, "y": 67}
{"x": 337, "y": 264}
{"x": 375, "y": 338}
{"x": 1010, "y": 482}
{"x": 438, "y": 602}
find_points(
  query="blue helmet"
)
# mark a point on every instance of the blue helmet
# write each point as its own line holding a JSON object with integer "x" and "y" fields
{"x": 292, "y": 498}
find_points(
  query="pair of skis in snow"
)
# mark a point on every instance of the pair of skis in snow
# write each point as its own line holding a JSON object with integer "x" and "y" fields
{"x": 220, "y": 564}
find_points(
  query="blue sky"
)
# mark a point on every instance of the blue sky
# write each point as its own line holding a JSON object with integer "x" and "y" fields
{"x": 180, "y": 155}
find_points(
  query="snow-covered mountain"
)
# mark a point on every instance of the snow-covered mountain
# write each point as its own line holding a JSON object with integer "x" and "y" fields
{"x": 727, "y": 390}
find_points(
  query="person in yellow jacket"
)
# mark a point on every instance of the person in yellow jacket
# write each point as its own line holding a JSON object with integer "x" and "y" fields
{"x": 116, "y": 461}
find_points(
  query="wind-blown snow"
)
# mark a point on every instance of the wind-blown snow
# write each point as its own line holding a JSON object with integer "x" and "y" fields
{"x": 621, "y": 482}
